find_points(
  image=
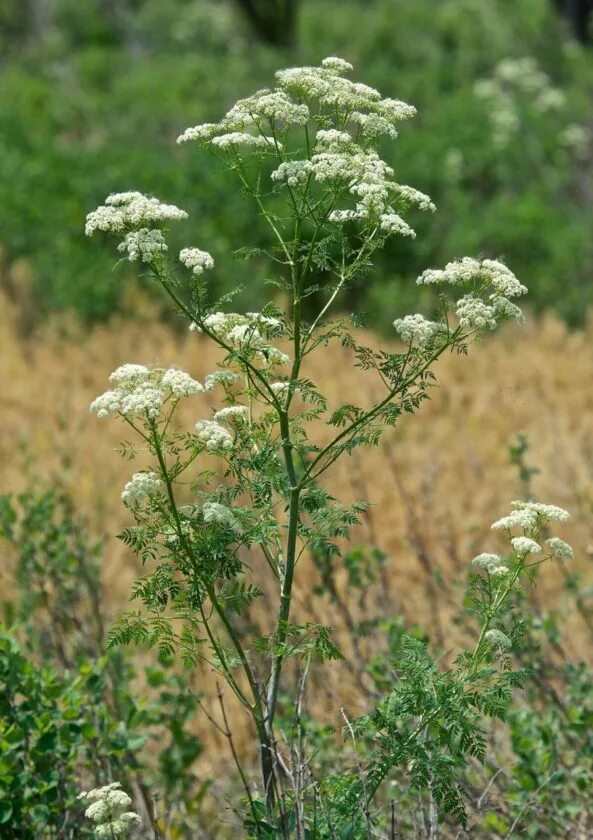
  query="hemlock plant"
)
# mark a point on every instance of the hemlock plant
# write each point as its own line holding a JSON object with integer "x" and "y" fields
{"x": 305, "y": 154}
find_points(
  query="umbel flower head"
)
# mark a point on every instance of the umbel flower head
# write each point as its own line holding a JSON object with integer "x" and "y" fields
{"x": 130, "y": 211}
{"x": 344, "y": 118}
{"x": 108, "y": 810}
{"x": 139, "y": 391}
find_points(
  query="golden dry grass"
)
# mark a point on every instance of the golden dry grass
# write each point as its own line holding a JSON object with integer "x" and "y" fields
{"x": 439, "y": 482}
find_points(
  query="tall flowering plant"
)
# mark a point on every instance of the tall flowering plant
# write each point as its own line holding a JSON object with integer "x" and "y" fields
{"x": 305, "y": 154}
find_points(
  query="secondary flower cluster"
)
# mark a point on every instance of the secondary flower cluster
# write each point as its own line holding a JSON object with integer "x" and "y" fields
{"x": 142, "y": 486}
{"x": 416, "y": 329}
{"x": 197, "y": 261}
{"x": 531, "y": 518}
{"x": 486, "y": 276}
{"x": 139, "y": 391}
{"x": 108, "y": 810}
{"x": 248, "y": 333}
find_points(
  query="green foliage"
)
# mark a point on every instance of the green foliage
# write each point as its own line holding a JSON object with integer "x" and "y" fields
{"x": 69, "y": 715}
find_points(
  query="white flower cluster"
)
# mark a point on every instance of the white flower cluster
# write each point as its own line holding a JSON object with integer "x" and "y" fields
{"x": 231, "y": 413}
{"x": 392, "y": 223}
{"x": 242, "y": 138}
{"x": 128, "y": 211}
{"x": 473, "y": 312}
{"x": 279, "y": 388}
{"x": 141, "y": 391}
{"x": 143, "y": 244}
{"x": 367, "y": 178}
{"x": 180, "y": 383}
{"x": 293, "y": 172}
{"x": 217, "y": 514}
{"x": 498, "y": 639}
{"x": 525, "y": 545}
{"x": 513, "y": 79}
{"x": 337, "y": 158}
{"x": 219, "y": 377}
{"x": 531, "y": 516}
{"x": 108, "y": 811}
{"x": 197, "y": 261}
{"x": 415, "y": 328}
{"x": 560, "y": 549}
{"x": 249, "y": 333}
{"x": 215, "y": 437}
{"x": 492, "y": 564}
{"x": 142, "y": 486}
{"x": 469, "y": 270}
{"x": 265, "y": 106}
{"x": 356, "y": 101}
{"x": 409, "y": 195}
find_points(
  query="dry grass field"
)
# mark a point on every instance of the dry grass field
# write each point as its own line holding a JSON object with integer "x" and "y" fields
{"x": 437, "y": 484}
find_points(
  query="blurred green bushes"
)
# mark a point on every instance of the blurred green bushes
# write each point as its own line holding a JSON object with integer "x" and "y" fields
{"x": 94, "y": 103}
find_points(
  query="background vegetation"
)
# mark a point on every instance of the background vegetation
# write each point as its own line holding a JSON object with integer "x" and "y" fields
{"x": 94, "y": 95}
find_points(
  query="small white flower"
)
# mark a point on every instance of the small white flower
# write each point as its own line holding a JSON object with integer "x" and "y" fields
{"x": 544, "y": 512}
{"x": 560, "y": 549}
{"x": 488, "y": 562}
{"x": 500, "y": 572}
{"x": 196, "y": 260}
{"x": 416, "y": 328}
{"x": 241, "y": 138}
{"x": 518, "y": 519}
{"x": 106, "y": 404}
{"x": 231, "y": 412}
{"x": 180, "y": 383}
{"x": 143, "y": 486}
{"x": 330, "y": 139}
{"x": 341, "y": 216}
{"x": 107, "y": 811}
{"x": 336, "y": 65}
{"x": 130, "y": 210}
{"x": 127, "y": 374}
{"x": 214, "y": 436}
{"x": 144, "y": 244}
{"x": 392, "y": 223}
{"x": 220, "y": 377}
{"x": 279, "y": 387}
{"x": 473, "y": 313}
{"x": 524, "y": 545}
{"x": 412, "y": 196}
{"x": 294, "y": 172}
